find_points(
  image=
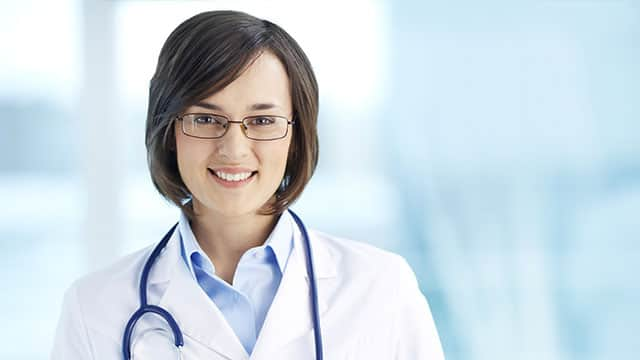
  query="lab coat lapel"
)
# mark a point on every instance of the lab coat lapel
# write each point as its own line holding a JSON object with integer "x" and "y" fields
{"x": 290, "y": 314}
{"x": 197, "y": 316}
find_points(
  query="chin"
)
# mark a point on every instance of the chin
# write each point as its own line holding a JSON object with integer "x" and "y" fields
{"x": 234, "y": 209}
{"x": 231, "y": 206}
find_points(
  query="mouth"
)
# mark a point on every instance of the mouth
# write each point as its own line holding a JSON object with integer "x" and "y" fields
{"x": 232, "y": 179}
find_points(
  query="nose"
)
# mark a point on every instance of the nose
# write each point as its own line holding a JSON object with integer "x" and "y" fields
{"x": 234, "y": 145}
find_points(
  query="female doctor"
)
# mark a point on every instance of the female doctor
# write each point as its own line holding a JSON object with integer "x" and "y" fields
{"x": 231, "y": 140}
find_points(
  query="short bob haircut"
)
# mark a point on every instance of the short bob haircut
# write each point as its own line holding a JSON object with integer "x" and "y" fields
{"x": 200, "y": 57}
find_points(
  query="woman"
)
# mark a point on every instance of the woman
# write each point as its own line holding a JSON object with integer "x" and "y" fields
{"x": 231, "y": 139}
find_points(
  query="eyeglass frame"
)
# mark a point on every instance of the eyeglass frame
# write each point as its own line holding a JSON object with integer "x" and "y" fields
{"x": 241, "y": 122}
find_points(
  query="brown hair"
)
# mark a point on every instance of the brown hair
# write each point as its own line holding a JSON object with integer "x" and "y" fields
{"x": 200, "y": 57}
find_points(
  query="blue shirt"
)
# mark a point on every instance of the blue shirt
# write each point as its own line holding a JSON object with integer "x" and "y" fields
{"x": 255, "y": 282}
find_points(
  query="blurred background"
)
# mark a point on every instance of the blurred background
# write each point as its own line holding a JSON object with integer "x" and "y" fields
{"x": 494, "y": 144}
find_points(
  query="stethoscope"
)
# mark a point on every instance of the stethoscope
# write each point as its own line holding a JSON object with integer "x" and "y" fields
{"x": 175, "y": 329}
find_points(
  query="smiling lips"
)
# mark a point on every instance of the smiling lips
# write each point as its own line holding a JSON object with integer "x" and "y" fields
{"x": 232, "y": 177}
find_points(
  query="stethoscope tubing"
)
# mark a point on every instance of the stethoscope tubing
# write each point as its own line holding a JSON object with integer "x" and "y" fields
{"x": 145, "y": 307}
{"x": 175, "y": 328}
{"x": 314, "y": 288}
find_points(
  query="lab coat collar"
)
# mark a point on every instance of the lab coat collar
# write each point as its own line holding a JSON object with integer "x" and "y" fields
{"x": 288, "y": 318}
{"x": 290, "y": 315}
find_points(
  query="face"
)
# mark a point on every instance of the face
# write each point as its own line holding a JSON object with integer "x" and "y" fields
{"x": 211, "y": 168}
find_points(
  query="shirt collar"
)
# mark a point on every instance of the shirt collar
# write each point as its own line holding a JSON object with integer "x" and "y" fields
{"x": 280, "y": 240}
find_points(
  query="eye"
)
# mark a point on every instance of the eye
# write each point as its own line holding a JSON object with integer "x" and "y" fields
{"x": 262, "y": 121}
{"x": 206, "y": 119}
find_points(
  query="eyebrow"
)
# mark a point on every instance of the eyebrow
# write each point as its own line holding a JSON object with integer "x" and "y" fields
{"x": 254, "y": 107}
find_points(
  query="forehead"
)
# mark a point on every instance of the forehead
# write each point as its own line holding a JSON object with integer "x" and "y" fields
{"x": 264, "y": 81}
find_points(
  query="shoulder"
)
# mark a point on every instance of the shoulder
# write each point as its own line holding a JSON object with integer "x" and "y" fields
{"x": 382, "y": 286}
{"x": 106, "y": 295}
{"x": 115, "y": 278}
{"x": 110, "y": 294}
{"x": 94, "y": 308}
{"x": 360, "y": 256}
{"x": 362, "y": 268}
{"x": 378, "y": 291}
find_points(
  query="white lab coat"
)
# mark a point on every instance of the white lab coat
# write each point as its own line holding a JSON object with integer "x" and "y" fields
{"x": 369, "y": 302}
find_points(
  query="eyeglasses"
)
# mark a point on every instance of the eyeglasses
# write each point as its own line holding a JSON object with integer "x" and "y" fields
{"x": 212, "y": 126}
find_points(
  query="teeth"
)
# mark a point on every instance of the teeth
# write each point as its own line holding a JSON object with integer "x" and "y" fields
{"x": 233, "y": 177}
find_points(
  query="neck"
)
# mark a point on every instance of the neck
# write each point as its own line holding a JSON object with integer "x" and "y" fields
{"x": 225, "y": 238}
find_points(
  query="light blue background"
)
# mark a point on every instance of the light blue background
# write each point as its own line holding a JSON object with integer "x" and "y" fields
{"x": 494, "y": 144}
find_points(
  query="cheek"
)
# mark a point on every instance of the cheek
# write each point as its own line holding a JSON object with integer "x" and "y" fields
{"x": 190, "y": 154}
{"x": 274, "y": 157}
{"x": 283, "y": 153}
